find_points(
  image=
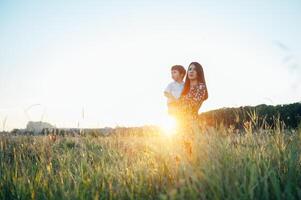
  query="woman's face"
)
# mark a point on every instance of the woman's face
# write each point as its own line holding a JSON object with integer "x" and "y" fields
{"x": 192, "y": 74}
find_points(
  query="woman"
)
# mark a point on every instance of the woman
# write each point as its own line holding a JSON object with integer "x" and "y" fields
{"x": 193, "y": 95}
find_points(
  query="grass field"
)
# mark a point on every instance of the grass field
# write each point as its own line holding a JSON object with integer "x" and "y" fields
{"x": 214, "y": 164}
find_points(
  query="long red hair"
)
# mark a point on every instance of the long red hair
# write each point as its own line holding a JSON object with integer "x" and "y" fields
{"x": 200, "y": 78}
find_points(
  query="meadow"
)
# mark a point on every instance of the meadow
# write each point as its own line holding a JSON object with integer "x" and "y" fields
{"x": 215, "y": 163}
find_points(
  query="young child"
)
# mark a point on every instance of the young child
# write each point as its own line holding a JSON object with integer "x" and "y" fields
{"x": 174, "y": 89}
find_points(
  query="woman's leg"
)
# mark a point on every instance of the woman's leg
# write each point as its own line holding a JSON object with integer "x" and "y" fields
{"x": 192, "y": 139}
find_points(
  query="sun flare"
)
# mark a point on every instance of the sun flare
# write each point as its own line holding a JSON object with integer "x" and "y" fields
{"x": 168, "y": 126}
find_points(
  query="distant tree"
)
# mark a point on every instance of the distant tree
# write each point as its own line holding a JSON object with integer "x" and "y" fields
{"x": 290, "y": 114}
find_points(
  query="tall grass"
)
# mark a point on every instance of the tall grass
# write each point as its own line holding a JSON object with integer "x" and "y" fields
{"x": 214, "y": 164}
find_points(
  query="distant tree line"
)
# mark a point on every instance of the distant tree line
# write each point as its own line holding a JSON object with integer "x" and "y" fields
{"x": 107, "y": 131}
{"x": 265, "y": 115}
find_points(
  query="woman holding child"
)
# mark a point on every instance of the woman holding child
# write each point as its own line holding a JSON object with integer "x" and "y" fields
{"x": 193, "y": 93}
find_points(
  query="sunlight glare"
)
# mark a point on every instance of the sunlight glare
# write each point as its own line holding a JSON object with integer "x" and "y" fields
{"x": 168, "y": 126}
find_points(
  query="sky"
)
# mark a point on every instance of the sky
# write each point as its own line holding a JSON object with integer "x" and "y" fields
{"x": 106, "y": 63}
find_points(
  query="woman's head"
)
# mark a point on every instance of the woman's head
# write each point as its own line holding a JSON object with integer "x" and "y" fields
{"x": 195, "y": 72}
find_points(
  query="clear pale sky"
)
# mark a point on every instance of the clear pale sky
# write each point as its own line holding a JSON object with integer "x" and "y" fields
{"x": 106, "y": 63}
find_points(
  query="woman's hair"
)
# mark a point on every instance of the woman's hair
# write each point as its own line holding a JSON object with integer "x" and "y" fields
{"x": 200, "y": 78}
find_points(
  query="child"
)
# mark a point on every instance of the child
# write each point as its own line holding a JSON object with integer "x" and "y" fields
{"x": 174, "y": 89}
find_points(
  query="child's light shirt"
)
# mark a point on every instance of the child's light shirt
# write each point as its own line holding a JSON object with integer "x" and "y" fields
{"x": 175, "y": 89}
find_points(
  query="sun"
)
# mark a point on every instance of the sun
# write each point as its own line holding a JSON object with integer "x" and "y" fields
{"x": 168, "y": 126}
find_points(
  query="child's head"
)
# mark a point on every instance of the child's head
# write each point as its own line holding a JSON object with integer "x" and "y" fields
{"x": 178, "y": 72}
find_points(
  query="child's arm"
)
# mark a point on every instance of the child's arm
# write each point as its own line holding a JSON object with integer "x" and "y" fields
{"x": 170, "y": 96}
{"x": 167, "y": 93}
